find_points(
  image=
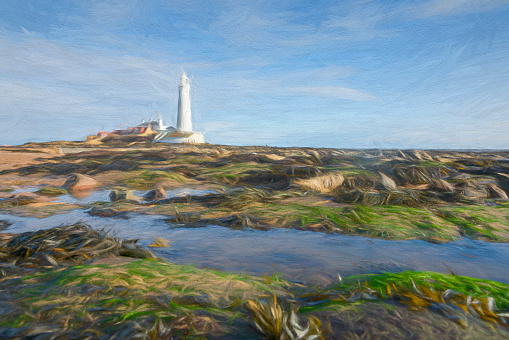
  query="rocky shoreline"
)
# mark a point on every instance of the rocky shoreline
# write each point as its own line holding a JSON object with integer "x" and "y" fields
{"x": 58, "y": 284}
{"x": 436, "y": 196}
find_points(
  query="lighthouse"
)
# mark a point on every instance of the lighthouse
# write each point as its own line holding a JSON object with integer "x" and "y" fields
{"x": 184, "y": 123}
{"x": 184, "y": 132}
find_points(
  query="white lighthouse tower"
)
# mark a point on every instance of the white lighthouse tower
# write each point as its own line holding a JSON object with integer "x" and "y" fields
{"x": 184, "y": 132}
{"x": 184, "y": 123}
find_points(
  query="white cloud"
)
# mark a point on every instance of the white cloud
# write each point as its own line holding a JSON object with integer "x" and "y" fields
{"x": 54, "y": 72}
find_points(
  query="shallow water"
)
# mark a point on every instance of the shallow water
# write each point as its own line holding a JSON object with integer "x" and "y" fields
{"x": 304, "y": 256}
{"x": 104, "y": 195}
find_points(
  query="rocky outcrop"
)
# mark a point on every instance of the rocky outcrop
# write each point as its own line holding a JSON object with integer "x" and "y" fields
{"x": 322, "y": 184}
{"x": 155, "y": 194}
{"x": 78, "y": 182}
{"x": 121, "y": 194}
{"x": 160, "y": 242}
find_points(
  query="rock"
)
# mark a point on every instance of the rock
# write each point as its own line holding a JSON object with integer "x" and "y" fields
{"x": 121, "y": 194}
{"x": 496, "y": 192}
{"x": 387, "y": 182}
{"x": 322, "y": 184}
{"x": 160, "y": 242}
{"x": 77, "y": 182}
{"x": 155, "y": 194}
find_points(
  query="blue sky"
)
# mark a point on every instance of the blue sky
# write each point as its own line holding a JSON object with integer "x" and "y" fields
{"x": 343, "y": 74}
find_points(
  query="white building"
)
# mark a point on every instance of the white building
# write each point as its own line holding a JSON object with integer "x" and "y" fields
{"x": 184, "y": 132}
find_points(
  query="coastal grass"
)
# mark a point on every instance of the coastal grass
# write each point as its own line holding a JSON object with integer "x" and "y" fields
{"x": 106, "y": 297}
{"x": 417, "y": 289}
{"x": 282, "y": 209}
{"x": 441, "y": 224}
{"x": 188, "y": 301}
{"x": 384, "y": 284}
{"x": 232, "y": 173}
{"x": 416, "y": 303}
{"x": 148, "y": 179}
{"x": 54, "y": 288}
{"x": 490, "y": 223}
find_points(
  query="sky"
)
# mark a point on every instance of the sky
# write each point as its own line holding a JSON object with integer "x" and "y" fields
{"x": 422, "y": 74}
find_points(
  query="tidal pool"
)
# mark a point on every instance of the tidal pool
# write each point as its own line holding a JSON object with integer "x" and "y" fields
{"x": 303, "y": 256}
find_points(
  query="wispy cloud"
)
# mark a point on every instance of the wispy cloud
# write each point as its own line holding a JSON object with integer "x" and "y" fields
{"x": 337, "y": 92}
{"x": 359, "y": 20}
{"x": 451, "y": 7}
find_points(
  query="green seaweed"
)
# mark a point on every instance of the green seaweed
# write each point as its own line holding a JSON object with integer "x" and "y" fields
{"x": 469, "y": 286}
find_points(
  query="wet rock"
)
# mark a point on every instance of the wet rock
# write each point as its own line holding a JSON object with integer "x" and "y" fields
{"x": 78, "y": 182}
{"x": 160, "y": 242}
{"x": 387, "y": 182}
{"x": 120, "y": 194}
{"x": 155, "y": 194}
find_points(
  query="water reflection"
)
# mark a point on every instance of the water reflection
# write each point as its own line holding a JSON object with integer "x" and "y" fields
{"x": 309, "y": 257}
